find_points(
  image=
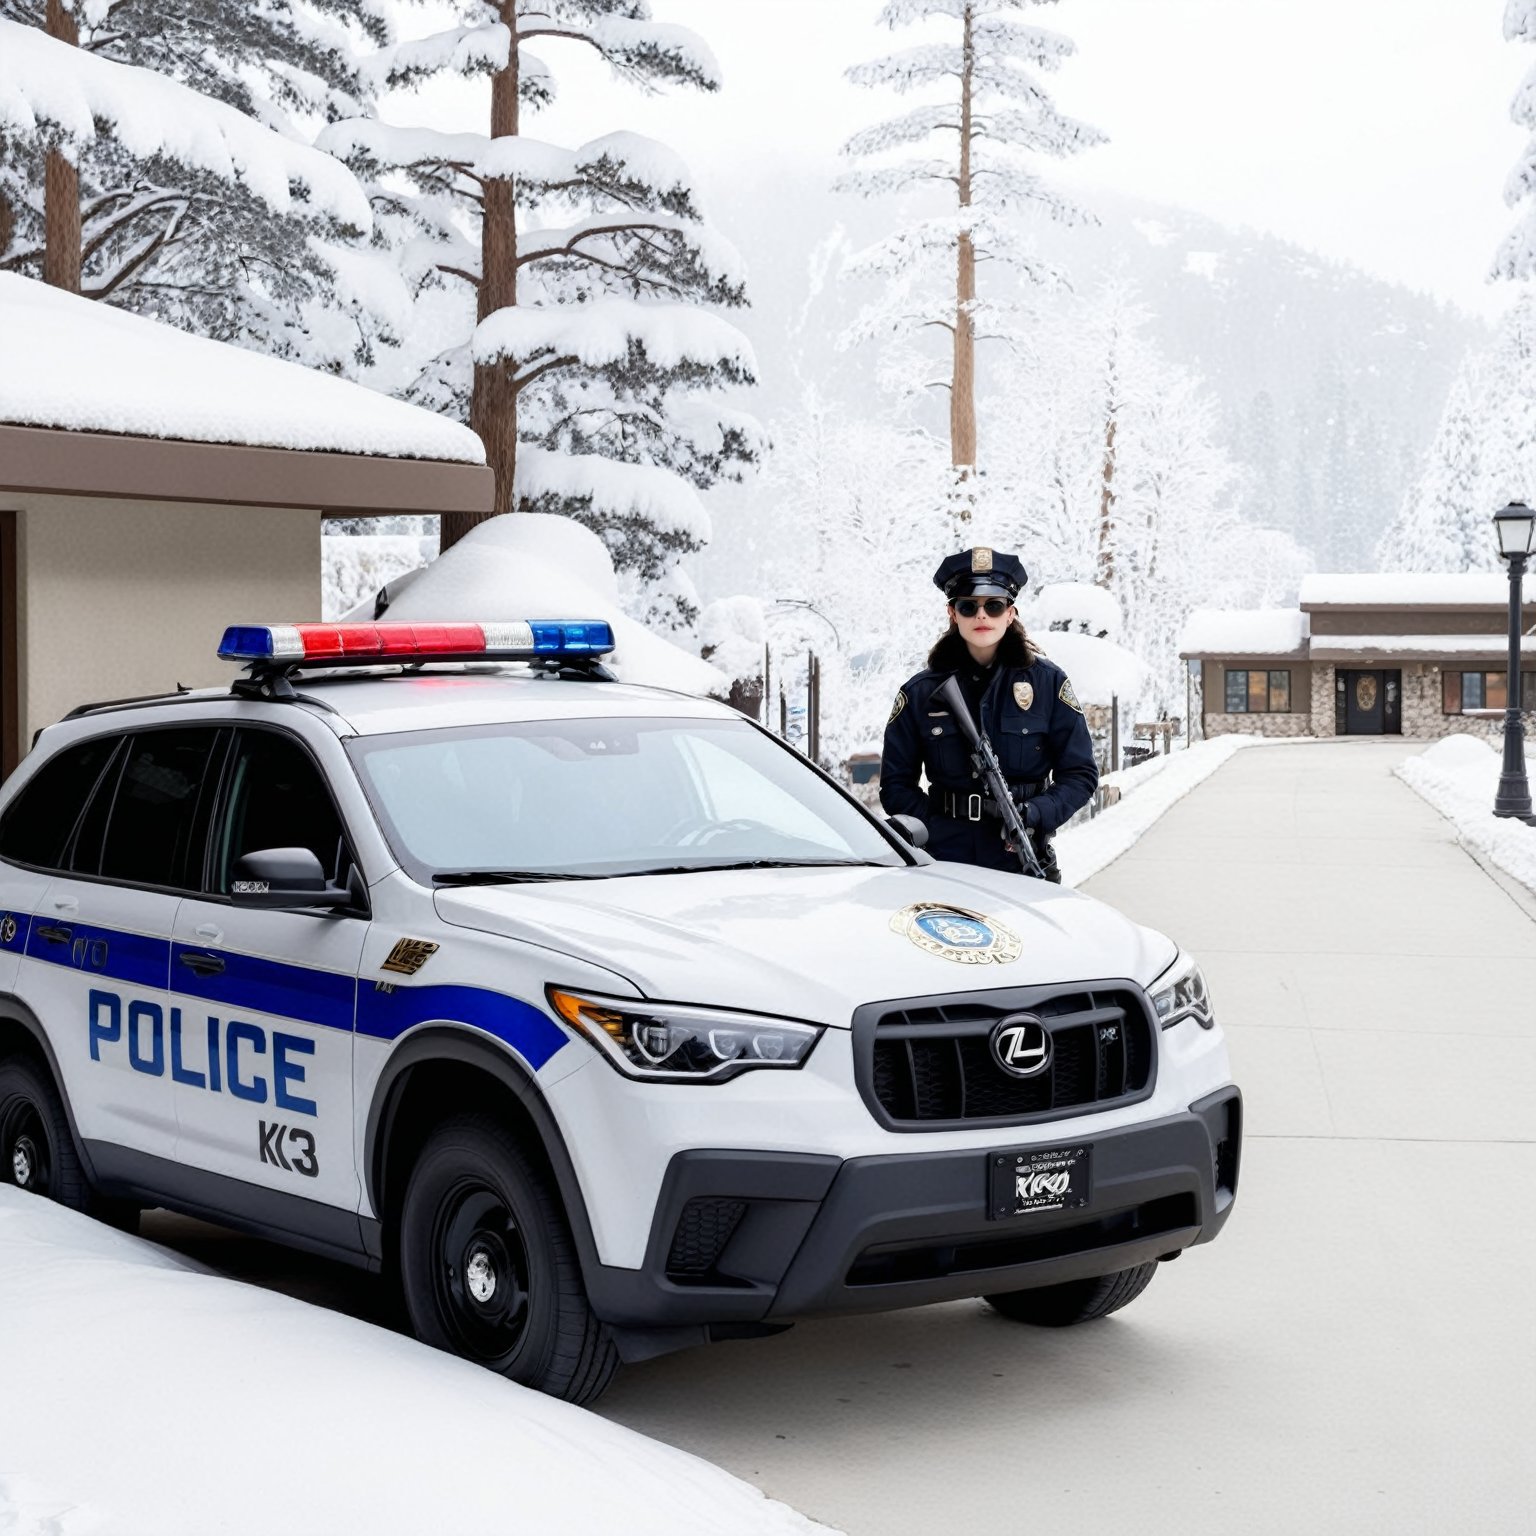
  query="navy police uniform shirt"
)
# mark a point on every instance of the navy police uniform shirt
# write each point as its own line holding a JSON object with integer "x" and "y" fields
{"x": 1034, "y": 722}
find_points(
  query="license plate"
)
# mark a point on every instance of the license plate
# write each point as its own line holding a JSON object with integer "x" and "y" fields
{"x": 1038, "y": 1179}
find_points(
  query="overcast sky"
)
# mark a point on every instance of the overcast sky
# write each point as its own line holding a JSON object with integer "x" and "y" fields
{"x": 1376, "y": 131}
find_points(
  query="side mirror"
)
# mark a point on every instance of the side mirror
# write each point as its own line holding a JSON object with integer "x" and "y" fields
{"x": 910, "y": 828}
{"x": 284, "y": 877}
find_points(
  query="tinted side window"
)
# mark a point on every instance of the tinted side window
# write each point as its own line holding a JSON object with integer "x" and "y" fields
{"x": 151, "y": 837}
{"x": 277, "y": 799}
{"x": 38, "y": 821}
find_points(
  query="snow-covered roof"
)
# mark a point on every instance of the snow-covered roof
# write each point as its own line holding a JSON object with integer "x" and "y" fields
{"x": 1330, "y": 647}
{"x": 1099, "y": 670}
{"x": 75, "y": 363}
{"x": 1243, "y": 632}
{"x": 529, "y": 565}
{"x": 1076, "y": 603}
{"x": 1407, "y": 589}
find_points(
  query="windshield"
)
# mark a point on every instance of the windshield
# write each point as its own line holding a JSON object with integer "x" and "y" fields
{"x": 605, "y": 797}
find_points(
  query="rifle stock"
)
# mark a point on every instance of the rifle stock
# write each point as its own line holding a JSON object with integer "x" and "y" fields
{"x": 984, "y": 756}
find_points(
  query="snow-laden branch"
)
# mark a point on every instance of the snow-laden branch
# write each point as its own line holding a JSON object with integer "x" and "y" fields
{"x": 1046, "y": 131}
{"x": 612, "y": 491}
{"x": 644, "y": 50}
{"x": 63, "y": 97}
{"x": 886, "y": 179}
{"x": 604, "y": 333}
{"x": 481, "y": 50}
{"x": 997, "y": 39}
{"x": 912, "y": 128}
{"x": 1520, "y": 21}
{"x": 900, "y": 13}
{"x": 717, "y": 259}
{"x": 911, "y": 68}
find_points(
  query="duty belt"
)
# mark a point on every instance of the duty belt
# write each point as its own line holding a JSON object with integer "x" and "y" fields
{"x": 962, "y": 806}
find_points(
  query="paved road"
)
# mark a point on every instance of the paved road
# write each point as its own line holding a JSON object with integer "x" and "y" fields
{"x": 1357, "y": 1354}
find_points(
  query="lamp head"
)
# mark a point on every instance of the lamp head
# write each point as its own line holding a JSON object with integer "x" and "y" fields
{"x": 1516, "y": 529}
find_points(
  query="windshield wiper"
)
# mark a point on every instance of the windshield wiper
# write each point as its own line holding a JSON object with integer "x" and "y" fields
{"x": 503, "y": 876}
{"x": 708, "y": 869}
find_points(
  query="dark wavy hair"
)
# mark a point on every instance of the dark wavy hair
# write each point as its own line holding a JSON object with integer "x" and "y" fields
{"x": 1015, "y": 649}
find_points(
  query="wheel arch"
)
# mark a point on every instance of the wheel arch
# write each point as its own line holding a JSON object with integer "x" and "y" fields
{"x": 406, "y": 1102}
{"x": 22, "y": 1033}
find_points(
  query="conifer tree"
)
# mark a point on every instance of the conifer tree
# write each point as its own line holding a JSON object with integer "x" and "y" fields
{"x": 989, "y": 112}
{"x": 584, "y": 356}
{"x": 155, "y": 216}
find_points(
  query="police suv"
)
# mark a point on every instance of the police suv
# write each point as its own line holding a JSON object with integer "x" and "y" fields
{"x": 594, "y": 1013}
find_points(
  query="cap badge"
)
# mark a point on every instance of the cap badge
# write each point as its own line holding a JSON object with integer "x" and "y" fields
{"x": 981, "y": 560}
{"x": 1023, "y": 694}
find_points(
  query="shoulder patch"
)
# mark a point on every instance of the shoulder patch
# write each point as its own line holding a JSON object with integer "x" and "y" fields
{"x": 899, "y": 705}
{"x": 1067, "y": 697}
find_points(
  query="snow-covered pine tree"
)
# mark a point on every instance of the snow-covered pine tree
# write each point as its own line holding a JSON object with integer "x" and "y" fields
{"x": 1516, "y": 255}
{"x": 162, "y": 205}
{"x": 989, "y": 112}
{"x": 584, "y": 356}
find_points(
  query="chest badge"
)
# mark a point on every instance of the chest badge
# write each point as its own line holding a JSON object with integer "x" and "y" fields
{"x": 409, "y": 955}
{"x": 958, "y": 934}
{"x": 1023, "y": 694}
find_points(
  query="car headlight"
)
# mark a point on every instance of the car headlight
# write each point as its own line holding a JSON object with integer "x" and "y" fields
{"x": 1181, "y": 993}
{"x": 677, "y": 1044}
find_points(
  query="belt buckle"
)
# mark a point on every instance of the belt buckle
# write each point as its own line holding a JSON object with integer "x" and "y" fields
{"x": 973, "y": 808}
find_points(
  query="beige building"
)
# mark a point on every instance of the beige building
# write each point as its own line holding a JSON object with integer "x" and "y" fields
{"x": 1368, "y": 655}
{"x": 156, "y": 487}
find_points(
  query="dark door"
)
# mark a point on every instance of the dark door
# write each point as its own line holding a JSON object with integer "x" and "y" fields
{"x": 10, "y": 718}
{"x": 1365, "y": 703}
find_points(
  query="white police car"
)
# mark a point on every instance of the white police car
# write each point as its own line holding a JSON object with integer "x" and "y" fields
{"x": 594, "y": 1011}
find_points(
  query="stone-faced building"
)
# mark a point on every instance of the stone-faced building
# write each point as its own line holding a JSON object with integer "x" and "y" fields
{"x": 1370, "y": 655}
{"x": 156, "y": 487}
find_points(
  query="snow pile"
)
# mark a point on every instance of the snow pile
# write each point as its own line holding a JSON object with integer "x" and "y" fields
{"x": 186, "y": 1387}
{"x": 353, "y": 566}
{"x": 732, "y": 635}
{"x": 1459, "y": 776}
{"x": 59, "y": 93}
{"x": 1146, "y": 792}
{"x": 1078, "y": 606}
{"x": 1099, "y": 670}
{"x": 1400, "y": 589}
{"x": 70, "y": 362}
{"x": 528, "y": 565}
{"x": 1241, "y": 632}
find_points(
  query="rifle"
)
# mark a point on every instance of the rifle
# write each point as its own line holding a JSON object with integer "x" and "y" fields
{"x": 984, "y": 760}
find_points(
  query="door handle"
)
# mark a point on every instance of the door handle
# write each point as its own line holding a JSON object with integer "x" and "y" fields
{"x": 209, "y": 932}
{"x": 203, "y": 965}
{"x": 55, "y": 935}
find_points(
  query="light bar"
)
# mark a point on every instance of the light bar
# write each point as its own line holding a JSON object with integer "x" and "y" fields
{"x": 336, "y": 643}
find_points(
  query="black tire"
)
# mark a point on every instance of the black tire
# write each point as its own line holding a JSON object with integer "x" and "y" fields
{"x": 1074, "y": 1301}
{"x": 37, "y": 1152}
{"x": 488, "y": 1267}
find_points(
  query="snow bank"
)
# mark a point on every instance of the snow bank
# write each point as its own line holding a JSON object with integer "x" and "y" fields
{"x": 526, "y": 565}
{"x": 1099, "y": 670}
{"x": 1147, "y": 791}
{"x": 1399, "y": 589}
{"x": 1243, "y": 632}
{"x": 733, "y": 633}
{"x": 71, "y": 362}
{"x": 47, "y": 85}
{"x": 1459, "y": 776}
{"x": 353, "y": 566}
{"x": 147, "y": 1397}
{"x": 1076, "y": 603}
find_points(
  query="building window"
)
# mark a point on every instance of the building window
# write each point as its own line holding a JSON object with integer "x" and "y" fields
{"x": 1461, "y": 691}
{"x": 1258, "y": 693}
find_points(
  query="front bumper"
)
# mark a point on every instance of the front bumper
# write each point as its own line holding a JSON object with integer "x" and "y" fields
{"x": 742, "y": 1241}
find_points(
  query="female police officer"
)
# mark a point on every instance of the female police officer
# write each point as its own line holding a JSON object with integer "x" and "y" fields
{"x": 1022, "y": 701}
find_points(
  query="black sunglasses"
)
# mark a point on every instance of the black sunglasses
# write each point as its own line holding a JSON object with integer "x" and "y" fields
{"x": 996, "y": 607}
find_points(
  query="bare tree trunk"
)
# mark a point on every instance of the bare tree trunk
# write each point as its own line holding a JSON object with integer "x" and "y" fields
{"x": 1104, "y": 575}
{"x": 61, "y": 184}
{"x": 493, "y": 405}
{"x": 962, "y": 394}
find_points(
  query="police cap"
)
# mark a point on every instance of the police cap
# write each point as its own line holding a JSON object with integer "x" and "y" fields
{"x": 980, "y": 573}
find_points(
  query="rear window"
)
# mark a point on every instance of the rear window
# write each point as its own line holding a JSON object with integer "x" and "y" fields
{"x": 154, "y": 836}
{"x": 37, "y": 824}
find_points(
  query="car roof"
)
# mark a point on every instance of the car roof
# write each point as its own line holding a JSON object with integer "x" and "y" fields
{"x": 376, "y": 703}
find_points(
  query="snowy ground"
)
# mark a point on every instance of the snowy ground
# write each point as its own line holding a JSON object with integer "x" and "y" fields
{"x": 1147, "y": 791}
{"x": 141, "y": 1393}
{"x": 1459, "y": 776}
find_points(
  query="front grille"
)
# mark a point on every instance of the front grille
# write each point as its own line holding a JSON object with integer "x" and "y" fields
{"x": 703, "y": 1230}
{"x": 932, "y": 1061}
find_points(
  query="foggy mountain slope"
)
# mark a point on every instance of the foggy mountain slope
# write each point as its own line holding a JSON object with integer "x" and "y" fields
{"x": 1330, "y": 381}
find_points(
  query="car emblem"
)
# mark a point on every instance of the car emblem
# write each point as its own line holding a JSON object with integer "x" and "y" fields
{"x": 1021, "y": 1045}
{"x": 956, "y": 933}
{"x": 408, "y": 956}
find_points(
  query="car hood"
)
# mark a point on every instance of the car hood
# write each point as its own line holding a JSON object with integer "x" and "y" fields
{"x": 816, "y": 943}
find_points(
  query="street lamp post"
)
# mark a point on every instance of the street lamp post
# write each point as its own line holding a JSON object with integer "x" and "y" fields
{"x": 1516, "y": 528}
